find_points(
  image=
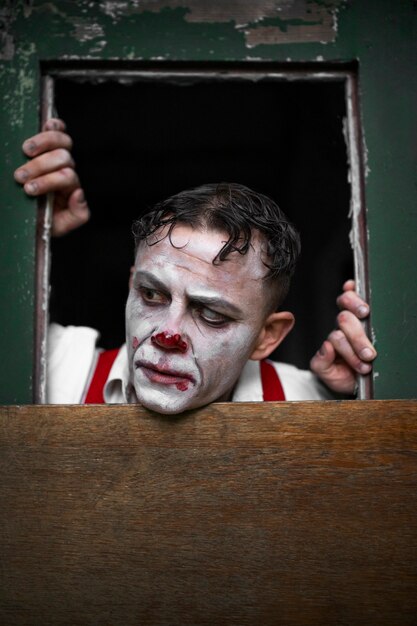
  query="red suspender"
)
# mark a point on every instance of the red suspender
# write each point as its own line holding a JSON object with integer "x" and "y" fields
{"x": 271, "y": 384}
{"x": 101, "y": 373}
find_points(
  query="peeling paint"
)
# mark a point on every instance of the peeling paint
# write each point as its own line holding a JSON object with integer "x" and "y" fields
{"x": 116, "y": 9}
{"x": 44, "y": 7}
{"x": 353, "y": 179}
{"x": 367, "y": 169}
{"x": 354, "y": 174}
{"x": 15, "y": 100}
{"x": 270, "y": 22}
{"x": 46, "y": 235}
{"x": 273, "y": 35}
{"x": 242, "y": 13}
{"x": 98, "y": 47}
{"x": 7, "y": 44}
{"x": 263, "y": 22}
{"x": 85, "y": 30}
{"x": 301, "y": 23}
{"x": 358, "y": 243}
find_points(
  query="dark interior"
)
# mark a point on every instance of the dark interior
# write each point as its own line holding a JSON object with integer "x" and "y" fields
{"x": 137, "y": 143}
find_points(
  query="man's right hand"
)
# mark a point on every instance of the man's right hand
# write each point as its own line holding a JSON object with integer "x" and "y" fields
{"x": 51, "y": 169}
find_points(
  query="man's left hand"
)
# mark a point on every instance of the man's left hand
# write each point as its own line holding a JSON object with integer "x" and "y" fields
{"x": 347, "y": 351}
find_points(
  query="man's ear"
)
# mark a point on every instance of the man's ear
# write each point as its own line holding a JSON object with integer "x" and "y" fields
{"x": 276, "y": 328}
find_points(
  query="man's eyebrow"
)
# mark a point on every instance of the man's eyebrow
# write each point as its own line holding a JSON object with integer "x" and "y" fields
{"x": 196, "y": 299}
{"x": 150, "y": 278}
{"x": 217, "y": 303}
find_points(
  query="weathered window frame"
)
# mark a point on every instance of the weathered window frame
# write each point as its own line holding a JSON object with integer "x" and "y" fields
{"x": 195, "y": 72}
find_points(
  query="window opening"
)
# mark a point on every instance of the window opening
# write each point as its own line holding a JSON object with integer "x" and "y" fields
{"x": 139, "y": 139}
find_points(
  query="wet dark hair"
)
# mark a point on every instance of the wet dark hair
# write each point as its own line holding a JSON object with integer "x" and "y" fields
{"x": 237, "y": 211}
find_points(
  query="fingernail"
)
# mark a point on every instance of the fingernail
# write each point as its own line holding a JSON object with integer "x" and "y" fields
{"x": 322, "y": 351}
{"x": 81, "y": 197}
{"x": 366, "y": 353}
{"x": 365, "y": 368}
{"x": 363, "y": 310}
{"x": 21, "y": 175}
{"x": 29, "y": 146}
{"x": 31, "y": 188}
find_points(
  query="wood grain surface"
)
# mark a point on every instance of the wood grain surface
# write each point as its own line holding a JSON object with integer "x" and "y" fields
{"x": 272, "y": 514}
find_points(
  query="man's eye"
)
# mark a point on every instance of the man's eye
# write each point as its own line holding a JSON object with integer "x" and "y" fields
{"x": 212, "y": 317}
{"x": 151, "y": 296}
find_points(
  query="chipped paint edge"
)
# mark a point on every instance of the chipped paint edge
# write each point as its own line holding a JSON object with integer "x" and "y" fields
{"x": 353, "y": 149}
{"x": 43, "y": 262}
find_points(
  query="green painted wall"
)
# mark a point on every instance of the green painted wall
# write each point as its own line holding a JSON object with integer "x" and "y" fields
{"x": 380, "y": 34}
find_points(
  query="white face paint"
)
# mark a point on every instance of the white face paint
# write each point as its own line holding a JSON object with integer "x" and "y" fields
{"x": 217, "y": 311}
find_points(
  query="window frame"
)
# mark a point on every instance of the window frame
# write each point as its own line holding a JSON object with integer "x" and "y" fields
{"x": 195, "y": 72}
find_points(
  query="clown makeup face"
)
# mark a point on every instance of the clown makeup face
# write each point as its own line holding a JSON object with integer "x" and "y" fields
{"x": 191, "y": 325}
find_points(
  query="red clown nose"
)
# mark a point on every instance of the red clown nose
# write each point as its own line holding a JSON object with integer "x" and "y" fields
{"x": 172, "y": 342}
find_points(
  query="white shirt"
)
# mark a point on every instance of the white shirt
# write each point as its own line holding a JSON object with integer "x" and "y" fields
{"x": 72, "y": 357}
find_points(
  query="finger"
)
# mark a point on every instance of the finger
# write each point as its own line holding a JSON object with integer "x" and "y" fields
{"x": 349, "y": 285}
{"x": 73, "y": 217}
{"x": 324, "y": 359}
{"x": 350, "y": 301}
{"x": 46, "y": 141}
{"x": 344, "y": 349}
{"x": 356, "y": 336}
{"x": 64, "y": 179}
{"x": 333, "y": 371}
{"x": 54, "y": 123}
{"x": 44, "y": 164}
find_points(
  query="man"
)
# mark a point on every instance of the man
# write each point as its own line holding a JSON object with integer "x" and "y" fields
{"x": 212, "y": 266}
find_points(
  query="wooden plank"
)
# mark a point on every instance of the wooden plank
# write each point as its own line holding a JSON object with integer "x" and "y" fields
{"x": 290, "y": 514}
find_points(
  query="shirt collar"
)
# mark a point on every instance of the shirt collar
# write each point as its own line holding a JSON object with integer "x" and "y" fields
{"x": 118, "y": 379}
{"x": 249, "y": 386}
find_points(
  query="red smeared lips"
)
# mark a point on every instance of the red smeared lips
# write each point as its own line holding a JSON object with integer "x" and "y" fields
{"x": 164, "y": 376}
